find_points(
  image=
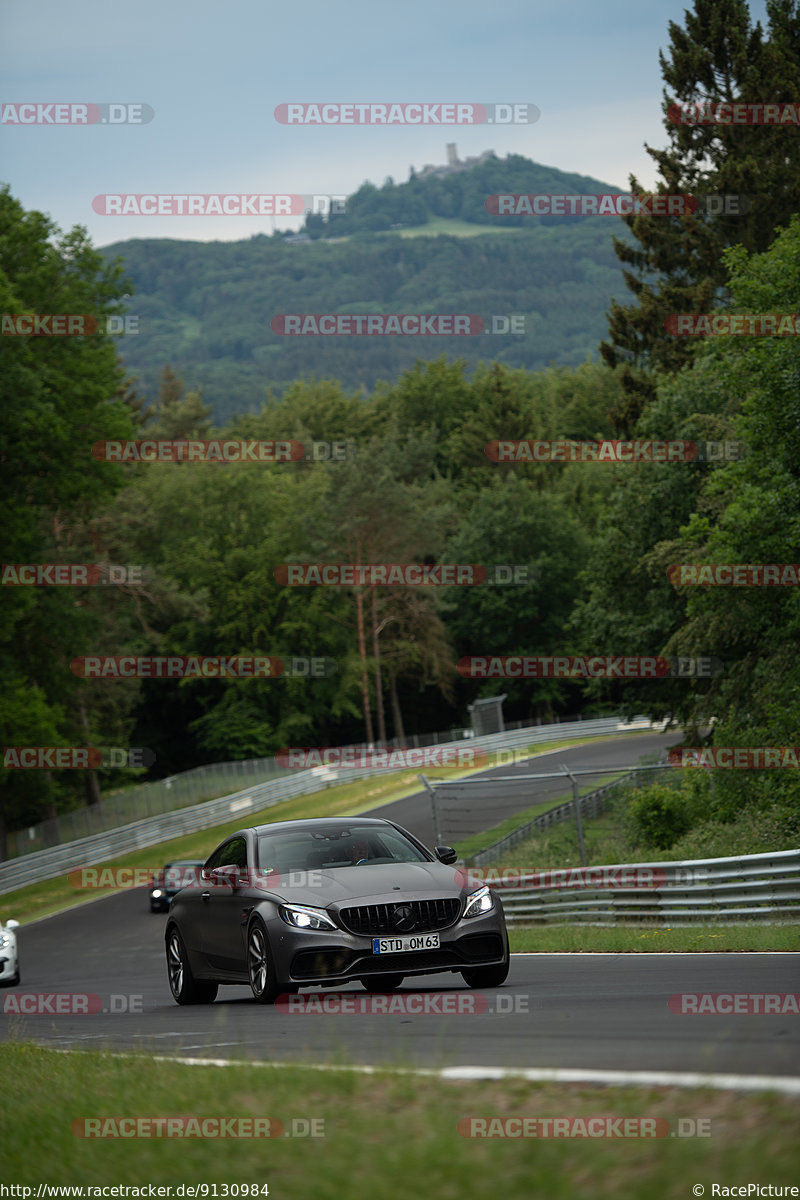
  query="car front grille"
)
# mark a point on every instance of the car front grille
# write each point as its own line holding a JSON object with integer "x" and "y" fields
{"x": 414, "y": 916}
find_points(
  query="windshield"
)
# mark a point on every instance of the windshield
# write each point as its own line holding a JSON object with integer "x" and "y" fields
{"x": 330, "y": 847}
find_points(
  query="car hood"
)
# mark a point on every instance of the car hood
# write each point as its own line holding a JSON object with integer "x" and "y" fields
{"x": 382, "y": 884}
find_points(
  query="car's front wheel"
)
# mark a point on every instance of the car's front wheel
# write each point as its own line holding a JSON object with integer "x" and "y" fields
{"x": 264, "y": 984}
{"x": 381, "y": 983}
{"x": 184, "y": 987}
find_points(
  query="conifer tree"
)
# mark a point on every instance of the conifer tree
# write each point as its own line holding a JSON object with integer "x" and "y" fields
{"x": 677, "y": 268}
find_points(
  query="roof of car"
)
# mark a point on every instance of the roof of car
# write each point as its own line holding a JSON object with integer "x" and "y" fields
{"x": 315, "y": 822}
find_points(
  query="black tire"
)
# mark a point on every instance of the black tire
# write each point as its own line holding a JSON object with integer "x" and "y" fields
{"x": 185, "y": 989}
{"x": 382, "y": 983}
{"x": 486, "y": 977}
{"x": 260, "y": 967}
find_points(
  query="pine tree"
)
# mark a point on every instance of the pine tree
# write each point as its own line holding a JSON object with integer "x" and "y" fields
{"x": 179, "y": 416}
{"x": 677, "y": 267}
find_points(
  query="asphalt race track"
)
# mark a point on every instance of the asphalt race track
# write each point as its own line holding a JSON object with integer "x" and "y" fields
{"x": 604, "y": 1012}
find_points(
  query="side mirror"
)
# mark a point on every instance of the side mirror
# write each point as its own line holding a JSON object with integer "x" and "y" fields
{"x": 446, "y": 855}
{"x": 12, "y": 924}
{"x": 227, "y": 876}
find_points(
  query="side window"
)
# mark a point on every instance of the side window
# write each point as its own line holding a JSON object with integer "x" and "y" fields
{"x": 231, "y": 852}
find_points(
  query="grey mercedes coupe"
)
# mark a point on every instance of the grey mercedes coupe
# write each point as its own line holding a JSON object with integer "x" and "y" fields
{"x": 327, "y": 902}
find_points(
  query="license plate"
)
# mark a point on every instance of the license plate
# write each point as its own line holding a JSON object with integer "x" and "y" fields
{"x": 422, "y": 941}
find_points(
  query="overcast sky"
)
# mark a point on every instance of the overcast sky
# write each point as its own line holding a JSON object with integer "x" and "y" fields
{"x": 214, "y": 73}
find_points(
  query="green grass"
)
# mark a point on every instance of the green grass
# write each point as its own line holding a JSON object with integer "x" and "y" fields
{"x": 454, "y": 227}
{"x": 646, "y": 938}
{"x": 368, "y": 1149}
{"x": 557, "y": 847}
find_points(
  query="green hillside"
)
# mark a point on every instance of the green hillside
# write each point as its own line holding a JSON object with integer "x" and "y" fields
{"x": 460, "y": 193}
{"x": 206, "y": 307}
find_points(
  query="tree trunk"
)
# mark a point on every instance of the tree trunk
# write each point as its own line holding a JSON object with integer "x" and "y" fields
{"x": 378, "y": 679}
{"x": 397, "y": 716}
{"x": 362, "y": 650}
{"x": 93, "y": 793}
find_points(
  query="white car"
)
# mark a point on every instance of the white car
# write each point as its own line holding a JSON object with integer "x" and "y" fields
{"x": 9, "y": 955}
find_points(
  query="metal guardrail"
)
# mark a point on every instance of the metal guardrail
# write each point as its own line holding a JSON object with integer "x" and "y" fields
{"x": 752, "y": 887}
{"x": 214, "y": 779}
{"x": 100, "y": 847}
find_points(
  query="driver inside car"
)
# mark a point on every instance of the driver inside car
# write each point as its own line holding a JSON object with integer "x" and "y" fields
{"x": 359, "y": 852}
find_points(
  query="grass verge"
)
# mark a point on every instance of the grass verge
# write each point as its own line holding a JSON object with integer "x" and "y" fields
{"x": 365, "y": 1148}
{"x": 647, "y": 938}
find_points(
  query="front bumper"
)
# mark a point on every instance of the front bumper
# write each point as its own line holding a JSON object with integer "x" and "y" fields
{"x": 308, "y": 957}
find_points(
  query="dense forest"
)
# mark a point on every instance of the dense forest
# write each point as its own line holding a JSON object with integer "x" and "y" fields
{"x": 416, "y": 485}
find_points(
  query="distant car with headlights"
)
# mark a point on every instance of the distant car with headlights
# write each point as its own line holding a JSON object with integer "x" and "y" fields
{"x": 9, "y": 952}
{"x": 170, "y": 879}
{"x": 327, "y": 902}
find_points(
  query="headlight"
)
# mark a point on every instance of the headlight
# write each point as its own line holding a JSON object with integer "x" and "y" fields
{"x": 479, "y": 902}
{"x": 305, "y": 918}
{"x": 156, "y": 893}
{"x": 4, "y": 941}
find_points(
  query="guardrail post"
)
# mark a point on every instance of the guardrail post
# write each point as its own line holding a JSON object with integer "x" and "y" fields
{"x": 436, "y": 830}
{"x": 577, "y": 806}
